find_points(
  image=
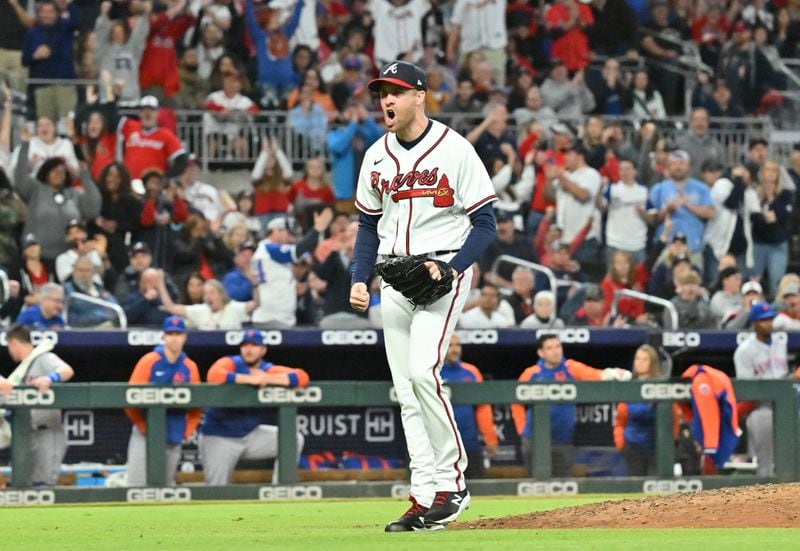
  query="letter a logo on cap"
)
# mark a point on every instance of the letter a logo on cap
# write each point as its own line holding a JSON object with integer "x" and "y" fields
{"x": 391, "y": 69}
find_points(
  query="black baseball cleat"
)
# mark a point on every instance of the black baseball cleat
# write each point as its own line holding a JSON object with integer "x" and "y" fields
{"x": 446, "y": 508}
{"x": 410, "y": 521}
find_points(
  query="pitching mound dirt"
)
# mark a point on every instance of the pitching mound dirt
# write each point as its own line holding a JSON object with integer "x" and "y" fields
{"x": 763, "y": 506}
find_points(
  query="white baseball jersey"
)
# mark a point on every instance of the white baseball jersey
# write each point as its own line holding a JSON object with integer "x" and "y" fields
{"x": 482, "y": 24}
{"x": 397, "y": 29}
{"x": 571, "y": 214}
{"x": 754, "y": 359}
{"x": 625, "y": 229}
{"x": 424, "y": 195}
{"x": 277, "y": 290}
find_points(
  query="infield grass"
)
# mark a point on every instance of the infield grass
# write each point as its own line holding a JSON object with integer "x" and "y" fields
{"x": 351, "y": 525}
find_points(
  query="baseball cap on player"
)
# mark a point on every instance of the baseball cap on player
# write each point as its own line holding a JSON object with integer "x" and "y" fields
{"x": 174, "y": 324}
{"x": 402, "y": 74}
{"x": 760, "y": 311}
{"x": 253, "y": 336}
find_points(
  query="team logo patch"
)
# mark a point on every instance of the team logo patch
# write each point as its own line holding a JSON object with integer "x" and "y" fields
{"x": 179, "y": 378}
{"x": 391, "y": 69}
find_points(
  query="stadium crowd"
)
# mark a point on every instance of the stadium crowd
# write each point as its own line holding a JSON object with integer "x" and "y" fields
{"x": 100, "y": 199}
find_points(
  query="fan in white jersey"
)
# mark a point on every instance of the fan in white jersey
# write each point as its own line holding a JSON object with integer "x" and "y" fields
{"x": 422, "y": 190}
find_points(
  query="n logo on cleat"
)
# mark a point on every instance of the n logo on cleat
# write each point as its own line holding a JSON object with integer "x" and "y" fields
{"x": 457, "y": 499}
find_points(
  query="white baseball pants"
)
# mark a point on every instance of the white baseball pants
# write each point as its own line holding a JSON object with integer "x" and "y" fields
{"x": 416, "y": 343}
{"x": 137, "y": 460}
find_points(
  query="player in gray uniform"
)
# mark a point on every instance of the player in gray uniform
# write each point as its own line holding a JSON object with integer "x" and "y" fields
{"x": 39, "y": 367}
{"x": 762, "y": 356}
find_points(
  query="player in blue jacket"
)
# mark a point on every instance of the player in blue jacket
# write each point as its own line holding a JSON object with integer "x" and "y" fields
{"x": 230, "y": 434}
{"x": 470, "y": 419}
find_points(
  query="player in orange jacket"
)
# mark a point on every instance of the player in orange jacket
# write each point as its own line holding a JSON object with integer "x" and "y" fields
{"x": 713, "y": 414}
{"x": 552, "y": 367}
{"x": 230, "y": 434}
{"x": 470, "y": 419}
{"x": 168, "y": 364}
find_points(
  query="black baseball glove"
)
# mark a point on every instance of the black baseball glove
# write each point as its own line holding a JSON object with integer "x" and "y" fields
{"x": 409, "y": 276}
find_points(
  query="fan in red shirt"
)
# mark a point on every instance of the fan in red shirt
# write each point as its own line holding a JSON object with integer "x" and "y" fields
{"x": 314, "y": 188}
{"x": 566, "y": 20}
{"x": 148, "y": 145}
{"x": 622, "y": 274}
{"x": 159, "y": 66}
{"x": 270, "y": 177}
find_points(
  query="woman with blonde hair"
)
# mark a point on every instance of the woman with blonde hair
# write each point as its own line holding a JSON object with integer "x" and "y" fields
{"x": 770, "y": 227}
{"x": 216, "y": 312}
{"x": 635, "y": 424}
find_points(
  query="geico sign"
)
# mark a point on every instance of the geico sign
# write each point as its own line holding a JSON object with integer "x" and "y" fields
{"x": 175, "y": 395}
{"x": 28, "y": 397}
{"x": 27, "y": 497}
{"x": 145, "y": 338}
{"x": 666, "y": 391}
{"x": 290, "y": 492}
{"x": 672, "y": 486}
{"x": 567, "y": 335}
{"x": 680, "y": 339}
{"x": 547, "y": 488}
{"x": 136, "y": 495}
{"x": 36, "y": 337}
{"x": 366, "y": 336}
{"x": 277, "y": 395}
{"x": 527, "y": 393}
{"x": 271, "y": 338}
{"x": 393, "y": 393}
{"x": 477, "y": 336}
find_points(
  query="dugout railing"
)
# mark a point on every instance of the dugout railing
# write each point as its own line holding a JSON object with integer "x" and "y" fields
{"x": 157, "y": 399}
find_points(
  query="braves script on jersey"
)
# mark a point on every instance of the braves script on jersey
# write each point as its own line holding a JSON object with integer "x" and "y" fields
{"x": 424, "y": 195}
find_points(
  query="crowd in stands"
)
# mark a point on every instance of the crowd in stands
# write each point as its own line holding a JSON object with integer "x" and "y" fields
{"x": 99, "y": 197}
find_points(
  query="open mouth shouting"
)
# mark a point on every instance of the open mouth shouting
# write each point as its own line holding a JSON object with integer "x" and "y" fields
{"x": 391, "y": 116}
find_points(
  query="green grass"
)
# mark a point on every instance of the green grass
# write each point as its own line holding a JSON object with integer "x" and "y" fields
{"x": 334, "y": 525}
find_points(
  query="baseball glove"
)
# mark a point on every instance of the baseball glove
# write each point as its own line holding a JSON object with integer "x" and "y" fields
{"x": 409, "y": 276}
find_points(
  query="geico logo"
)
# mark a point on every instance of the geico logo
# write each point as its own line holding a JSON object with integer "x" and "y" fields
{"x": 27, "y": 497}
{"x": 145, "y": 338}
{"x": 36, "y": 337}
{"x": 272, "y": 395}
{"x": 672, "y": 486}
{"x": 271, "y": 338}
{"x": 159, "y": 494}
{"x": 564, "y": 392}
{"x": 366, "y": 336}
{"x": 477, "y": 336}
{"x": 567, "y": 335}
{"x": 547, "y": 488}
{"x": 176, "y": 395}
{"x": 290, "y": 492}
{"x": 28, "y": 397}
{"x": 666, "y": 391}
{"x": 681, "y": 339}
{"x": 400, "y": 491}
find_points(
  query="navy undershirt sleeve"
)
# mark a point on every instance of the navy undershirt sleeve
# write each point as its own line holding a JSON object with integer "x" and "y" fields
{"x": 482, "y": 234}
{"x": 366, "y": 248}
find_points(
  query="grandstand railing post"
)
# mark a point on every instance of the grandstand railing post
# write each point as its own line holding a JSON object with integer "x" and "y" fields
{"x": 541, "y": 443}
{"x": 156, "y": 446}
{"x": 784, "y": 427}
{"x": 21, "y": 453}
{"x": 665, "y": 440}
{"x": 287, "y": 444}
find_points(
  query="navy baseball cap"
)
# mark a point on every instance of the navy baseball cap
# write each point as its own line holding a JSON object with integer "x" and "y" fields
{"x": 253, "y": 336}
{"x": 402, "y": 74}
{"x": 174, "y": 324}
{"x": 761, "y": 311}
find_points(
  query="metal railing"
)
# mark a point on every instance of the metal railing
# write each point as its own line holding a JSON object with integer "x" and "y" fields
{"x": 540, "y": 397}
{"x": 667, "y": 305}
{"x": 122, "y": 319}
